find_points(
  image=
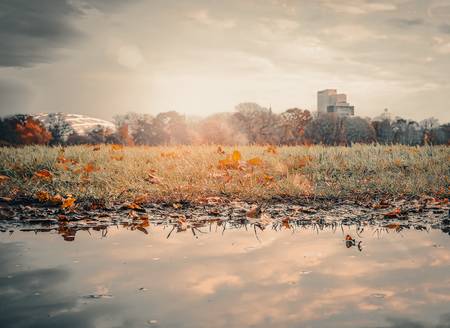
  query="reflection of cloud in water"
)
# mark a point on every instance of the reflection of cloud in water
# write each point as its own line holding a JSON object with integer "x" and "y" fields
{"x": 235, "y": 281}
{"x": 38, "y": 298}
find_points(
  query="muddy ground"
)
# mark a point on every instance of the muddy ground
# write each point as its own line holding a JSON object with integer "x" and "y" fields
{"x": 418, "y": 213}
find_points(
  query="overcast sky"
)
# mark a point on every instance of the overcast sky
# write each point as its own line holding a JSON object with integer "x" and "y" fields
{"x": 106, "y": 57}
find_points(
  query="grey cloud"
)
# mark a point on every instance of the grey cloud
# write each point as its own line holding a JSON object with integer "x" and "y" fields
{"x": 445, "y": 28}
{"x": 408, "y": 22}
{"x": 30, "y": 30}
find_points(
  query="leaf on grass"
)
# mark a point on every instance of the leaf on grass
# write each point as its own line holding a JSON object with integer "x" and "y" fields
{"x": 228, "y": 164}
{"x": 134, "y": 206}
{"x": 254, "y": 212}
{"x": 256, "y": 161}
{"x": 96, "y": 148}
{"x": 88, "y": 168}
{"x": 117, "y": 158}
{"x": 4, "y": 178}
{"x": 153, "y": 179}
{"x": 393, "y": 214}
{"x": 141, "y": 199}
{"x": 116, "y": 147}
{"x": 68, "y": 202}
{"x": 303, "y": 161}
{"x": 42, "y": 196}
{"x": 285, "y": 223}
{"x": 220, "y": 150}
{"x": 177, "y": 205}
{"x": 43, "y": 174}
{"x": 170, "y": 154}
{"x": 271, "y": 150}
{"x": 236, "y": 156}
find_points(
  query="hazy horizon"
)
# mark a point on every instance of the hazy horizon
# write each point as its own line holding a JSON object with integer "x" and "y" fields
{"x": 104, "y": 58}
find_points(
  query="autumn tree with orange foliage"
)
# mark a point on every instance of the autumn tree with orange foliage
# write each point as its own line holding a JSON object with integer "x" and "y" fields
{"x": 33, "y": 132}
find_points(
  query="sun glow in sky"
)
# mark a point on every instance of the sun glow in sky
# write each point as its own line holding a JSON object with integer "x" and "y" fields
{"x": 103, "y": 58}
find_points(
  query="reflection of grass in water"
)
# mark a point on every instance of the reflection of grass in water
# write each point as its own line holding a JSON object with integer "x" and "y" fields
{"x": 190, "y": 172}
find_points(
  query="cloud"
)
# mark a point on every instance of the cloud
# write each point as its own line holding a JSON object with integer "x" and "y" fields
{"x": 203, "y": 16}
{"x": 31, "y": 30}
{"x": 358, "y": 7}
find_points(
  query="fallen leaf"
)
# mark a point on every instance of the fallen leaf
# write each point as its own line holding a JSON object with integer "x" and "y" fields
{"x": 256, "y": 161}
{"x": 68, "y": 202}
{"x": 134, "y": 206}
{"x": 254, "y": 212}
{"x": 153, "y": 179}
{"x": 236, "y": 156}
{"x": 285, "y": 223}
{"x": 393, "y": 214}
{"x": 43, "y": 174}
{"x": 271, "y": 150}
{"x": 116, "y": 147}
{"x": 96, "y": 148}
{"x": 4, "y": 178}
{"x": 88, "y": 168}
{"x": 349, "y": 238}
{"x": 220, "y": 150}
{"x": 42, "y": 196}
{"x": 228, "y": 163}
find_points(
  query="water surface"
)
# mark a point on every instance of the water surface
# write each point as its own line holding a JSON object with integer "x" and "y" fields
{"x": 231, "y": 278}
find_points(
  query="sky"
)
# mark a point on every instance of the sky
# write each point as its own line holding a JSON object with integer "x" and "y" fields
{"x": 107, "y": 57}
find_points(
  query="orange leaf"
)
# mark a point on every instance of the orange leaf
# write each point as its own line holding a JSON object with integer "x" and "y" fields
{"x": 96, "y": 148}
{"x": 255, "y": 161}
{"x": 393, "y": 214}
{"x": 228, "y": 163}
{"x": 117, "y": 158}
{"x": 236, "y": 156}
{"x": 3, "y": 178}
{"x": 42, "y": 196}
{"x": 271, "y": 149}
{"x": 349, "y": 238}
{"x": 57, "y": 199}
{"x": 395, "y": 226}
{"x": 116, "y": 147}
{"x": 254, "y": 212}
{"x": 134, "y": 206}
{"x": 68, "y": 202}
{"x": 89, "y": 168}
{"x": 43, "y": 174}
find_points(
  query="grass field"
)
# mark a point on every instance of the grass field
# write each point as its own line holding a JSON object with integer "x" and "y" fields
{"x": 192, "y": 173}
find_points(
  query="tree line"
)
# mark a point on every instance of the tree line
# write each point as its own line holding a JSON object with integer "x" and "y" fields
{"x": 248, "y": 124}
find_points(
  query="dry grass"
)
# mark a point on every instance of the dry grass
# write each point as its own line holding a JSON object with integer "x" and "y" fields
{"x": 193, "y": 172}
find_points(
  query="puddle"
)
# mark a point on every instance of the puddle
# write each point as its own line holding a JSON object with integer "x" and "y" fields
{"x": 288, "y": 276}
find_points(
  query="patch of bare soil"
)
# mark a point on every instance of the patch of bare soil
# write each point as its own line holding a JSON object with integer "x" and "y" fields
{"x": 420, "y": 213}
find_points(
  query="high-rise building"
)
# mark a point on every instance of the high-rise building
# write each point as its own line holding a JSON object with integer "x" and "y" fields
{"x": 329, "y": 101}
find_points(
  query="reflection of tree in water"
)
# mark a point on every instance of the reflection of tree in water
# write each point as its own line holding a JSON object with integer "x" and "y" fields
{"x": 210, "y": 225}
